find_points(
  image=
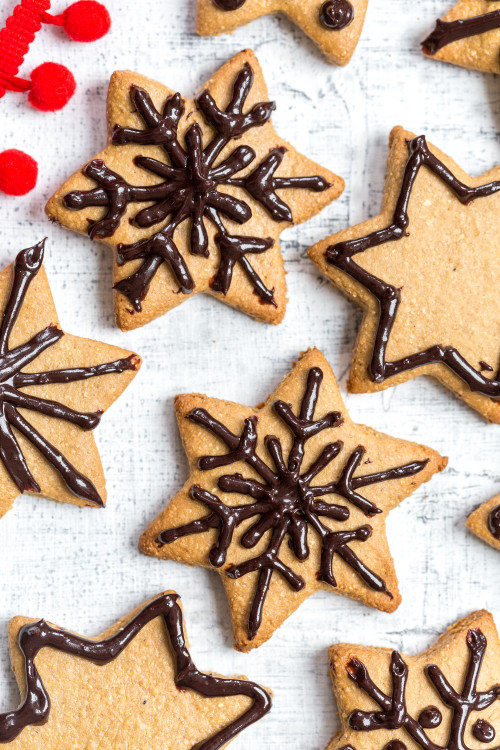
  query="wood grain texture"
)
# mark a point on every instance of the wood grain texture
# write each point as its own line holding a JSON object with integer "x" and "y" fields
{"x": 80, "y": 566}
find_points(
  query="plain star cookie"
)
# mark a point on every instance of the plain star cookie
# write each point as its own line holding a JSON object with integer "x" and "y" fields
{"x": 193, "y": 195}
{"x": 484, "y": 521}
{"x": 442, "y": 699}
{"x": 288, "y": 498}
{"x": 423, "y": 271}
{"x": 335, "y": 25}
{"x": 469, "y": 35}
{"x": 54, "y": 388}
{"x": 131, "y": 687}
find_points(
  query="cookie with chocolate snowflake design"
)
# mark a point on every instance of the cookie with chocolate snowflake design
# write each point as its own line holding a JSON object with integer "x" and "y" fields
{"x": 468, "y": 35}
{"x": 484, "y": 521}
{"x": 54, "y": 387}
{"x": 288, "y": 498}
{"x": 334, "y": 25}
{"x": 193, "y": 195}
{"x": 442, "y": 699}
{"x": 132, "y": 687}
{"x": 424, "y": 272}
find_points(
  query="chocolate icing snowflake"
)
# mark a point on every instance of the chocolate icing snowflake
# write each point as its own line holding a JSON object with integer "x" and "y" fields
{"x": 286, "y": 501}
{"x": 12, "y": 380}
{"x": 190, "y": 189}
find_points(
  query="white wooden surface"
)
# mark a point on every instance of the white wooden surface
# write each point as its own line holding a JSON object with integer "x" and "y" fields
{"x": 80, "y": 568}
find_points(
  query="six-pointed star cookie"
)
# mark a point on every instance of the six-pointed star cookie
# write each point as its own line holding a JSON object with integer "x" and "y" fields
{"x": 288, "y": 498}
{"x": 442, "y": 699}
{"x": 134, "y": 686}
{"x": 424, "y": 272}
{"x": 335, "y": 25}
{"x": 54, "y": 388}
{"x": 469, "y": 35}
{"x": 484, "y": 521}
{"x": 193, "y": 195}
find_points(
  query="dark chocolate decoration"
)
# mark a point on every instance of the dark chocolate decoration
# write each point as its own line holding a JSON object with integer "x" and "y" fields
{"x": 342, "y": 255}
{"x": 285, "y": 502}
{"x": 229, "y": 4}
{"x": 446, "y": 32}
{"x": 36, "y": 706}
{"x": 189, "y": 190}
{"x": 27, "y": 265}
{"x": 483, "y": 731}
{"x": 430, "y": 717}
{"x": 396, "y": 745}
{"x": 494, "y": 522}
{"x": 394, "y": 711}
{"x": 336, "y": 14}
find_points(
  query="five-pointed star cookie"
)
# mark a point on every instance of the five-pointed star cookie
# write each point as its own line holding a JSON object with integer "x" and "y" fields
{"x": 193, "y": 195}
{"x": 424, "y": 271}
{"x": 135, "y": 686}
{"x": 335, "y": 25}
{"x": 288, "y": 498}
{"x": 54, "y": 388}
{"x": 469, "y": 35}
{"x": 442, "y": 699}
{"x": 484, "y": 521}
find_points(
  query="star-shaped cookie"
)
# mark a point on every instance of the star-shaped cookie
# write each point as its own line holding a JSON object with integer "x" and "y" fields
{"x": 335, "y": 25}
{"x": 54, "y": 388}
{"x": 468, "y": 35}
{"x": 288, "y": 498}
{"x": 445, "y": 698}
{"x": 131, "y": 687}
{"x": 424, "y": 272}
{"x": 193, "y": 195}
{"x": 484, "y": 521}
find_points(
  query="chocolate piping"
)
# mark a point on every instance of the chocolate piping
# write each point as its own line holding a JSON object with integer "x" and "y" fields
{"x": 341, "y": 256}
{"x": 190, "y": 190}
{"x": 285, "y": 502}
{"x": 394, "y": 711}
{"x": 35, "y": 708}
{"x": 229, "y": 4}
{"x": 336, "y": 15}
{"x": 446, "y": 32}
{"x": 494, "y": 522}
{"x": 26, "y": 267}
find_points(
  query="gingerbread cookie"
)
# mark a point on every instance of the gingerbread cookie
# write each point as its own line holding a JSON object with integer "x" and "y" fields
{"x": 469, "y": 35}
{"x": 335, "y": 25}
{"x": 442, "y": 699}
{"x": 485, "y": 521}
{"x": 288, "y": 498}
{"x": 193, "y": 195}
{"x": 131, "y": 687}
{"x": 423, "y": 271}
{"x": 54, "y": 388}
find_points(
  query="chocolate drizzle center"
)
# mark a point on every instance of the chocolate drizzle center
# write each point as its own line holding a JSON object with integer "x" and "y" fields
{"x": 394, "y": 712}
{"x": 229, "y": 4}
{"x": 494, "y": 522}
{"x": 33, "y": 638}
{"x": 13, "y": 379}
{"x": 446, "y": 32}
{"x": 286, "y": 502}
{"x": 190, "y": 190}
{"x": 342, "y": 255}
{"x": 335, "y": 15}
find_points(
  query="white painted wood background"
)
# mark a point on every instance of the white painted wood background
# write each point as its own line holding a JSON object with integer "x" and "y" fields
{"x": 80, "y": 568}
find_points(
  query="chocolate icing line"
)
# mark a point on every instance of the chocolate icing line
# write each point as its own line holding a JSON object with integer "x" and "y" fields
{"x": 35, "y": 708}
{"x": 446, "y": 32}
{"x": 229, "y": 4}
{"x": 285, "y": 501}
{"x": 494, "y": 522}
{"x": 341, "y": 255}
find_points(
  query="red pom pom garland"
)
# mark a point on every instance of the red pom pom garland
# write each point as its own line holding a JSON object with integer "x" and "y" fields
{"x": 51, "y": 85}
{"x": 18, "y": 172}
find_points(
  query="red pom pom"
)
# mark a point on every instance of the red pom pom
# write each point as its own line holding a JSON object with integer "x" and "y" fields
{"x": 86, "y": 21}
{"x": 18, "y": 172}
{"x": 52, "y": 86}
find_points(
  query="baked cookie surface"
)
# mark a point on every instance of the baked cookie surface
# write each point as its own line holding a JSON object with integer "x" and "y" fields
{"x": 335, "y": 25}
{"x": 193, "y": 195}
{"x": 468, "y": 35}
{"x": 423, "y": 271}
{"x": 288, "y": 498}
{"x": 484, "y": 521}
{"x": 445, "y": 697}
{"x": 54, "y": 388}
{"x": 135, "y": 686}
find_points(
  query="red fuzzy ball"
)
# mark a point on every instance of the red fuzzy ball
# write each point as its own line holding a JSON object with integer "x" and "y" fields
{"x": 52, "y": 86}
{"x": 18, "y": 172}
{"x": 86, "y": 21}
